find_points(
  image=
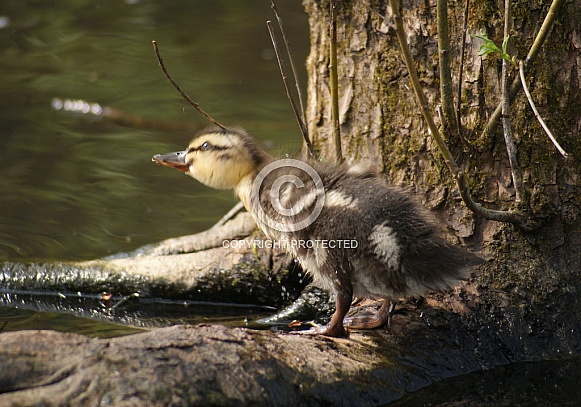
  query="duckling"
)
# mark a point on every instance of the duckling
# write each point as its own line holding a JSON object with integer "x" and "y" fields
{"x": 356, "y": 235}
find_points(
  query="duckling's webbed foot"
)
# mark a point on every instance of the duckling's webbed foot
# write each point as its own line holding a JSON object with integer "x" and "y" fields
{"x": 335, "y": 327}
{"x": 380, "y": 318}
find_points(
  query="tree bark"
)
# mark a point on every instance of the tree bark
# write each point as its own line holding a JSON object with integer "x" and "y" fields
{"x": 525, "y": 300}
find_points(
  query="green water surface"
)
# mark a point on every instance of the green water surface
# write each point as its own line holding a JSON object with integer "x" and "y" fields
{"x": 80, "y": 186}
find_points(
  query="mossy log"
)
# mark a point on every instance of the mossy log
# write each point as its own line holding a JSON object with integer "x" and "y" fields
{"x": 200, "y": 267}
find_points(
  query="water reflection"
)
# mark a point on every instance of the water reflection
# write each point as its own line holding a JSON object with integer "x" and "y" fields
{"x": 78, "y": 186}
{"x": 73, "y": 312}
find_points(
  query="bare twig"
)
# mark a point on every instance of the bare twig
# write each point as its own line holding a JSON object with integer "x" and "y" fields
{"x": 502, "y": 216}
{"x": 184, "y": 95}
{"x": 461, "y": 73}
{"x": 229, "y": 215}
{"x": 491, "y": 214}
{"x": 508, "y": 138}
{"x": 544, "y": 31}
{"x": 417, "y": 87}
{"x": 302, "y": 125}
{"x": 533, "y": 52}
{"x": 536, "y": 112}
{"x": 334, "y": 82}
{"x": 446, "y": 97}
{"x": 291, "y": 61}
{"x": 124, "y": 300}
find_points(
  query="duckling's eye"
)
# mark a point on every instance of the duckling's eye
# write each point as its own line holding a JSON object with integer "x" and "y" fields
{"x": 205, "y": 146}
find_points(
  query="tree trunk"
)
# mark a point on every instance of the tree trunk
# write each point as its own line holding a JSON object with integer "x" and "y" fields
{"x": 525, "y": 301}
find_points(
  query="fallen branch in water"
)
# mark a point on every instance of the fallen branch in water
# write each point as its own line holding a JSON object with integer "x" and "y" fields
{"x": 95, "y": 110}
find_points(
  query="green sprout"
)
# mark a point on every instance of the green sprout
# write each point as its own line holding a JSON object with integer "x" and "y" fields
{"x": 489, "y": 47}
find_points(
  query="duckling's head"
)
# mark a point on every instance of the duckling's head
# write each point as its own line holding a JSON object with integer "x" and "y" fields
{"x": 217, "y": 158}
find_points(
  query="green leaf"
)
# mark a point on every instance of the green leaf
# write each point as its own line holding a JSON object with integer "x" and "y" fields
{"x": 505, "y": 44}
{"x": 489, "y": 47}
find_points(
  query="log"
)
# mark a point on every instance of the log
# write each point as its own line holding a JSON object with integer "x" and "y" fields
{"x": 215, "y": 365}
{"x": 199, "y": 267}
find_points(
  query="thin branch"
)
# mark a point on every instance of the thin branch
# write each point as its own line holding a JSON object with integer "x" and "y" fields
{"x": 288, "y": 93}
{"x": 229, "y": 215}
{"x": 184, "y": 95}
{"x": 291, "y": 61}
{"x": 531, "y": 56}
{"x": 491, "y": 214}
{"x": 536, "y": 112}
{"x": 506, "y": 125}
{"x": 502, "y": 216}
{"x": 446, "y": 97}
{"x": 334, "y": 82}
{"x": 544, "y": 31}
{"x": 417, "y": 87}
{"x": 461, "y": 73}
{"x": 124, "y": 300}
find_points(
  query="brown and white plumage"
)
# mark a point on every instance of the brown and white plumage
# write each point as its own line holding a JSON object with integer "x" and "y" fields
{"x": 399, "y": 251}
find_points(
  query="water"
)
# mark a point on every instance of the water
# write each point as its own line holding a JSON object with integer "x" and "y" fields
{"x": 544, "y": 383}
{"x": 106, "y": 316}
{"x": 79, "y": 186}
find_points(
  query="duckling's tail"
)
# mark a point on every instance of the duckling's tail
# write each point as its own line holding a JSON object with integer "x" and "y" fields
{"x": 440, "y": 265}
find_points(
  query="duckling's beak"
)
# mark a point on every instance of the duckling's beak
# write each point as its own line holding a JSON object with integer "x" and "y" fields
{"x": 175, "y": 160}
